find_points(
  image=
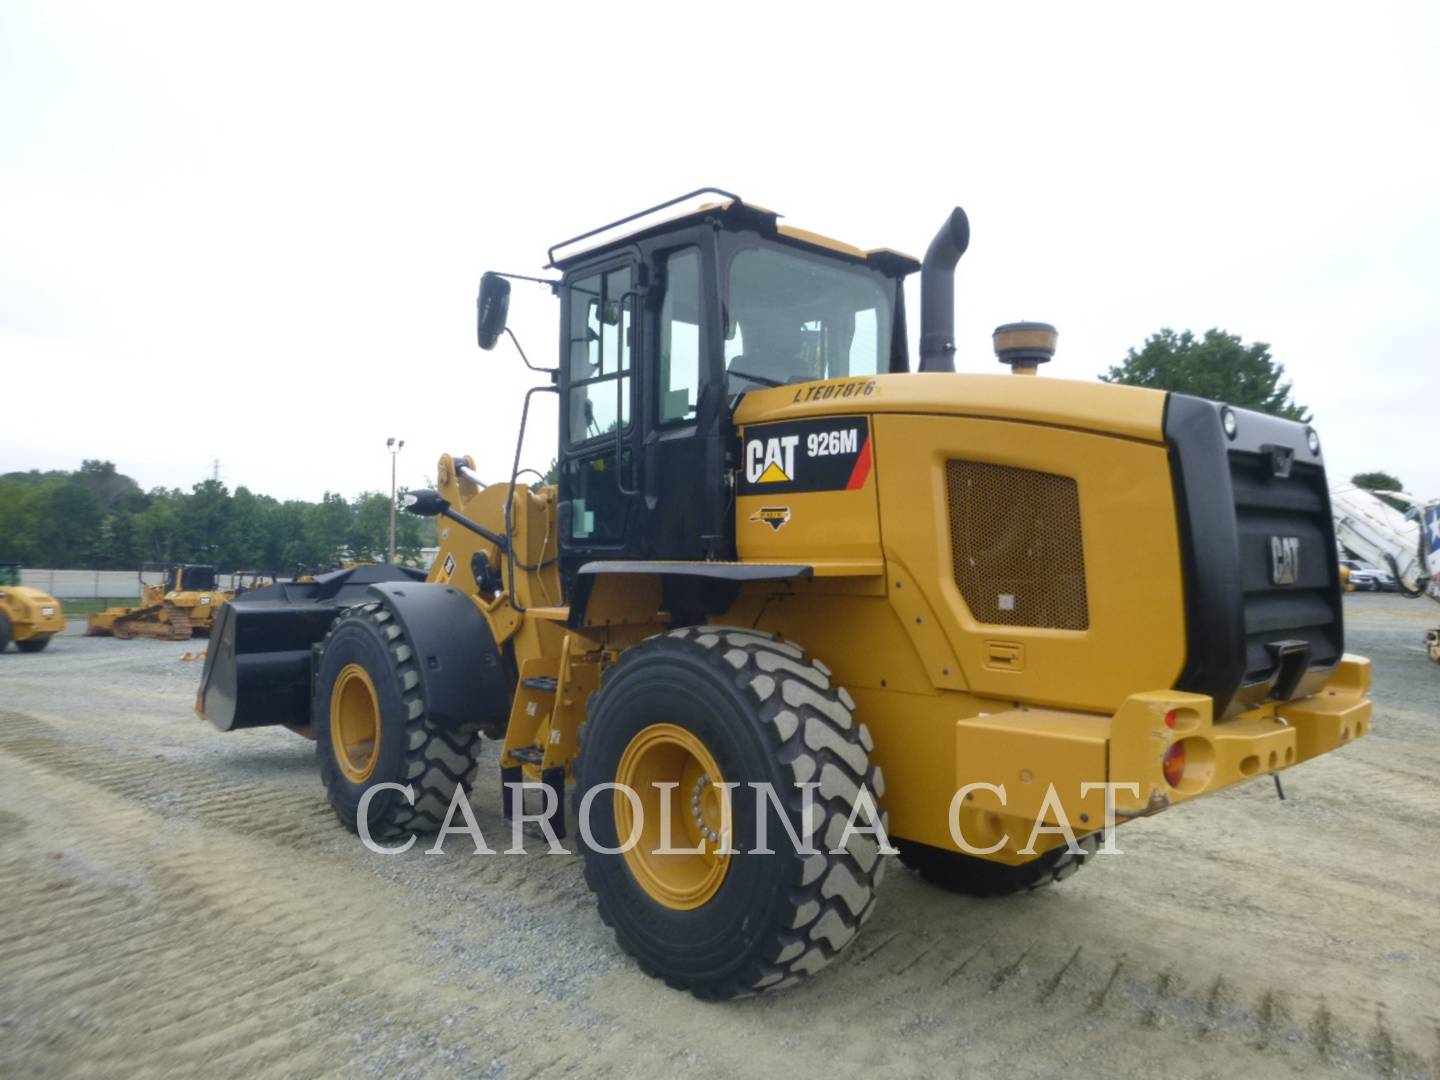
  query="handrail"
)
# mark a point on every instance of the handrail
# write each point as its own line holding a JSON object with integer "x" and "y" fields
{"x": 550, "y": 252}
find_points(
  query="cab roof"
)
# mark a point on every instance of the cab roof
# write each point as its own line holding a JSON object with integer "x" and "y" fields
{"x": 732, "y": 212}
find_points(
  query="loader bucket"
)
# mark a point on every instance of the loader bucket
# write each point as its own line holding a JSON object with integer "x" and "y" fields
{"x": 257, "y": 671}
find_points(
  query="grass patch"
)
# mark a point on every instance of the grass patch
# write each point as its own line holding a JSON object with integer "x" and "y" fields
{"x": 73, "y": 608}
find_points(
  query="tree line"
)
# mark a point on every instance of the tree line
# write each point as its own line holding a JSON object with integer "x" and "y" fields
{"x": 97, "y": 519}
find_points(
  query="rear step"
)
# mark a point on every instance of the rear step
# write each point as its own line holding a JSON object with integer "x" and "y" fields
{"x": 530, "y": 755}
{"x": 546, "y": 684}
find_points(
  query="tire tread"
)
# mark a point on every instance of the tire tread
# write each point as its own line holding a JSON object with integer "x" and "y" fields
{"x": 437, "y": 760}
{"x": 826, "y": 904}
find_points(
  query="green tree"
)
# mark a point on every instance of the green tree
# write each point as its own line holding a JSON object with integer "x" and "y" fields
{"x": 113, "y": 490}
{"x": 370, "y": 531}
{"x": 117, "y": 546}
{"x": 1218, "y": 366}
{"x": 412, "y": 533}
{"x": 17, "y": 518}
{"x": 327, "y": 529}
{"x": 1377, "y": 481}
{"x": 157, "y": 527}
{"x": 66, "y": 522}
{"x": 98, "y": 517}
{"x": 206, "y": 518}
{"x": 286, "y": 546}
{"x": 1380, "y": 482}
{"x": 247, "y": 535}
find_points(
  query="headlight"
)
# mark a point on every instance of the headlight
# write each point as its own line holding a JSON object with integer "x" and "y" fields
{"x": 47, "y": 612}
{"x": 204, "y": 599}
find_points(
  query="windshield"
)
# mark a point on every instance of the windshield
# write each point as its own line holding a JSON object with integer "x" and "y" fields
{"x": 793, "y": 318}
{"x": 199, "y": 578}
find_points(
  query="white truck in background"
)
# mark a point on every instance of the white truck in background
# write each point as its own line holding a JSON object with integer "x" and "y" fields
{"x": 1407, "y": 541}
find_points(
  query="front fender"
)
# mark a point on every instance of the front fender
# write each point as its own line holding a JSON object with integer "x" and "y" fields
{"x": 462, "y": 672}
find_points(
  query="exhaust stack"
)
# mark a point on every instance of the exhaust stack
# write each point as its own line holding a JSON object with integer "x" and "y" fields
{"x": 937, "y": 293}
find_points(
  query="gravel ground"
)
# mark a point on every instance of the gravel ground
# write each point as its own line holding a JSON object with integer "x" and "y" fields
{"x": 178, "y": 900}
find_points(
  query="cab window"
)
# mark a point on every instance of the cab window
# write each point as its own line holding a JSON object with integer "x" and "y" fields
{"x": 795, "y": 318}
{"x": 679, "y": 360}
{"x": 601, "y": 331}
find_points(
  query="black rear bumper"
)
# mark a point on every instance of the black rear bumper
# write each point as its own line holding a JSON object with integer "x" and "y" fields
{"x": 1262, "y": 583}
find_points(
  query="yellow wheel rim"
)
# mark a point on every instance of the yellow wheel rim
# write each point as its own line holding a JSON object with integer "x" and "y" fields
{"x": 355, "y": 723}
{"x": 672, "y": 773}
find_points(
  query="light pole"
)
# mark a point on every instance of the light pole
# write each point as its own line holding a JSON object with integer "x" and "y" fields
{"x": 395, "y": 445}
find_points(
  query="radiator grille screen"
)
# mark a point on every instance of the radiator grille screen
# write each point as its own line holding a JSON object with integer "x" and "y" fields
{"x": 1016, "y": 544}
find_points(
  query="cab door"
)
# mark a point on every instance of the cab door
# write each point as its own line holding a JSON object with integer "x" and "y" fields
{"x": 597, "y": 459}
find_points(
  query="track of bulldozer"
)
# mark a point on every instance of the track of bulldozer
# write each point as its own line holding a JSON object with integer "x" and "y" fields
{"x": 161, "y": 622}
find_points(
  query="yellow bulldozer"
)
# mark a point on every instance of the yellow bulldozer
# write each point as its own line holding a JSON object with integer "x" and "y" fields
{"x": 28, "y": 617}
{"x": 793, "y": 606}
{"x": 182, "y": 604}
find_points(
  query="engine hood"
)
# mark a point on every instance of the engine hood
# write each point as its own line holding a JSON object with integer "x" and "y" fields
{"x": 1128, "y": 411}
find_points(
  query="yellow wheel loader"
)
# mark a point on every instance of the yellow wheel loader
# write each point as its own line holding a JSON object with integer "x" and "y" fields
{"x": 28, "y": 617}
{"x": 792, "y": 602}
{"x": 181, "y": 605}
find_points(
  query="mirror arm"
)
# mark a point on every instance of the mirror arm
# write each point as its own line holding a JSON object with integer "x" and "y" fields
{"x": 553, "y": 372}
{"x": 550, "y": 283}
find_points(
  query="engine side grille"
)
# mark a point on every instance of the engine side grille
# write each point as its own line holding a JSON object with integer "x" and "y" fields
{"x": 1016, "y": 545}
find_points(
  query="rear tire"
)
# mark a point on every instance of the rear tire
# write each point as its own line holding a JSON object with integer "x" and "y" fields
{"x": 974, "y": 876}
{"x": 6, "y": 631}
{"x": 762, "y": 713}
{"x": 34, "y": 644}
{"x": 367, "y": 655}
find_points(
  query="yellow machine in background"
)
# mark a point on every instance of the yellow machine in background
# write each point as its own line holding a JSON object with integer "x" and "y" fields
{"x": 777, "y": 559}
{"x": 28, "y": 617}
{"x": 181, "y": 605}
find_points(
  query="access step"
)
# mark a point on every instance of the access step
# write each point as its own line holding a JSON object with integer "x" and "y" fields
{"x": 545, "y": 684}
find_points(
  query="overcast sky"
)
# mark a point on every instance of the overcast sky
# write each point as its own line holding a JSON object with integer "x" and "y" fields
{"x": 254, "y": 232}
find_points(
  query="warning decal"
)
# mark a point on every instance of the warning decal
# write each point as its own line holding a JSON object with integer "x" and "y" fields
{"x": 830, "y": 454}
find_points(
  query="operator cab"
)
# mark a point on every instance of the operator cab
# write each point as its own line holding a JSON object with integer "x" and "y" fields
{"x": 190, "y": 579}
{"x": 663, "y": 327}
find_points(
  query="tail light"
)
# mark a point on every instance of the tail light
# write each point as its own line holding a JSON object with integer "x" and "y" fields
{"x": 1174, "y": 764}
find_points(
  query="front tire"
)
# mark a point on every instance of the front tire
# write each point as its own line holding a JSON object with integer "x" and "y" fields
{"x": 34, "y": 644}
{"x": 6, "y": 631}
{"x": 754, "y": 710}
{"x": 371, "y": 726}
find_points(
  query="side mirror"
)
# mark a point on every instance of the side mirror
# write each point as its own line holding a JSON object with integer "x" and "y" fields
{"x": 491, "y": 308}
{"x": 426, "y": 503}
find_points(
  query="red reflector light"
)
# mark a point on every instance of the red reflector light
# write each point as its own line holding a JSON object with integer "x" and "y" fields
{"x": 1170, "y": 718}
{"x": 1174, "y": 764}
